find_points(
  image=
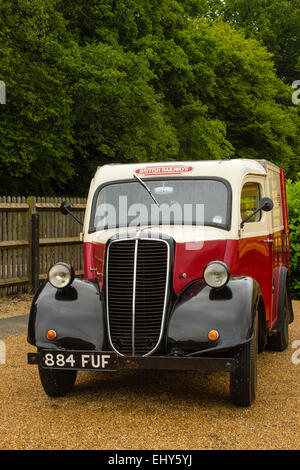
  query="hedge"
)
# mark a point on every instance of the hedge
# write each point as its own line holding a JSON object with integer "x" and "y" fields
{"x": 293, "y": 196}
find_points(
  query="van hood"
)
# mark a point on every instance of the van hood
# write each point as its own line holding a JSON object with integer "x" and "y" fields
{"x": 180, "y": 233}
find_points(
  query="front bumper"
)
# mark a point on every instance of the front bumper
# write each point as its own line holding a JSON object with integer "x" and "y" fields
{"x": 151, "y": 362}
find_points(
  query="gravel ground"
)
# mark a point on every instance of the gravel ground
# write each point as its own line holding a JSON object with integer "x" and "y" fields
{"x": 150, "y": 409}
{"x": 15, "y": 306}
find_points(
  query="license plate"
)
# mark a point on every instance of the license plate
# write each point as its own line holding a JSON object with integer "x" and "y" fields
{"x": 79, "y": 360}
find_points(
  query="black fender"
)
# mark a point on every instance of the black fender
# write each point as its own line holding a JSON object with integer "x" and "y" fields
{"x": 283, "y": 288}
{"x": 230, "y": 310}
{"x": 76, "y": 314}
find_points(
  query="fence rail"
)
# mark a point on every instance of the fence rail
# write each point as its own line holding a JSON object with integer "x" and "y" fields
{"x": 26, "y": 253}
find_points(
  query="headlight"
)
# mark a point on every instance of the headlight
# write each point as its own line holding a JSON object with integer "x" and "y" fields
{"x": 216, "y": 274}
{"x": 61, "y": 275}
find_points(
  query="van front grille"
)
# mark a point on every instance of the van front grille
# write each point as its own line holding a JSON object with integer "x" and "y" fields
{"x": 136, "y": 283}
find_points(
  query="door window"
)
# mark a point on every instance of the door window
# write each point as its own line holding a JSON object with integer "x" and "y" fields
{"x": 250, "y": 201}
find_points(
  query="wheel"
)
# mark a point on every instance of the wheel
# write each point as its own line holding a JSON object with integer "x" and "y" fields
{"x": 243, "y": 382}
{"x": 279, "y": 341}
{"x": 57, "y": 383}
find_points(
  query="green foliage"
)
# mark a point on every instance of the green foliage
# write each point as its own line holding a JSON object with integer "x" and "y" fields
{"x": 293, "y": 195}
{"x": 36, "y": 130}
{"x": 220, "y": 91}
{"x": 92, "y": 82}
{"x": 235, "y": 79}
{"x": 118, "y": 116}
{"x": 275, "y": 23}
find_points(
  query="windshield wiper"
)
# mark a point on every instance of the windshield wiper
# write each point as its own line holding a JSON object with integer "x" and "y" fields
{"x": 146, "y": 187}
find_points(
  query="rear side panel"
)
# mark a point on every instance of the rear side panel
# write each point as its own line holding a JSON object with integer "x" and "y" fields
{"x": 279, "y": 234}
{"x": 254, "y": 260}
{"x": 286, "y": 233}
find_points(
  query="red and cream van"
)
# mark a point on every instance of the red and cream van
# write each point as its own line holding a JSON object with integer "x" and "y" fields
{"x": 186, "y": 267}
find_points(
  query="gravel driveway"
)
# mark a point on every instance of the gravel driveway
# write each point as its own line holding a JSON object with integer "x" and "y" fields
{"x": 150, "y": 409}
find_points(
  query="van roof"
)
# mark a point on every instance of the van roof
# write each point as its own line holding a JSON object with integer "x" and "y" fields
{"x": 235, "y": 169}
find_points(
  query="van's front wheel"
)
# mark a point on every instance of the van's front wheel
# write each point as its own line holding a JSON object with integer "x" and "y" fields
{"x": 57, "y": 383}
{"x": 243, "y": 382}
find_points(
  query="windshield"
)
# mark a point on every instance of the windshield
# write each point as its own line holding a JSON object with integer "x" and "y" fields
{"x": 180, "y": 202}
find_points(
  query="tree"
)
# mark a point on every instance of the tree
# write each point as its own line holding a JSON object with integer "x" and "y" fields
{"x": 219, "y": 89}
{"x": 235, "y": 79}
{"x": 118, "y": 116}
{"x": 71, "y": 107}
{"x": 36, "y": 123}
{"x": 92, "y": 82}
{"x": 276, "y": 23}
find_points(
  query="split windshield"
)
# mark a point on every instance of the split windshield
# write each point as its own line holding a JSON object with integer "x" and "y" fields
{"x": 180, "y": 202}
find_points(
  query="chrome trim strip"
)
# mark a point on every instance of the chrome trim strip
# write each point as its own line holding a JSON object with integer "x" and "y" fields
{"x": 134, "y": 290}
{"x": 133, "y": 297}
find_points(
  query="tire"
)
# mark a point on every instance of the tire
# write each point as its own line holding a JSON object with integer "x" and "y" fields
{"x": 279, "y": 341}
{"x": 57, "y": 383}
{"x": 243, "y": 382}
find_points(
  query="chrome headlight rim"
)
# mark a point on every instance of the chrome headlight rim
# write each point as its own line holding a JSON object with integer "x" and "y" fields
{"x": 67, "y": 269}
{"x": 226, "y": 270}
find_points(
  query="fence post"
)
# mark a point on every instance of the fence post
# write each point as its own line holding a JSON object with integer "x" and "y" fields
{"x": 33, "y": 239}
{"x": 35, "y": 251}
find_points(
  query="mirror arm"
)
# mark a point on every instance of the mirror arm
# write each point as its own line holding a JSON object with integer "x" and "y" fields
{"x": 250, "y": 216}
{"x": 74, "y": 216}
{"x": 266, "y": 204}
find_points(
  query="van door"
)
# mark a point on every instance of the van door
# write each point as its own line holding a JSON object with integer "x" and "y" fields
{"x": 279, "y": 232}
{"x": 256, "y": 243}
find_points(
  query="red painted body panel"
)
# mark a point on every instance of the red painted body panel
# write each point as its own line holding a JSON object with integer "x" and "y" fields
{"x": 244, "y": 257}
{"x": 89, "y": 254}
{"x": 280, "y": 248}
{"x": 94, "y": 261}
{"x": 192, "y": 262}
{"x": 258, "y": 257}
{"x": 255, "y": 260}
{"x": 252, "y": 257}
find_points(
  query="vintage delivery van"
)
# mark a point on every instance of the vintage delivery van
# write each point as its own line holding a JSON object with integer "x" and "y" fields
{"x": 186, "y": 267}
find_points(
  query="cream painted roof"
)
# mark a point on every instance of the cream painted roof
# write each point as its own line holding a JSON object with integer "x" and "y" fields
{"x": 232, "y": 170}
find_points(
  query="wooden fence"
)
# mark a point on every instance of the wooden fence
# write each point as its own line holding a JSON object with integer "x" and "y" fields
{"x": 34, "y": 234}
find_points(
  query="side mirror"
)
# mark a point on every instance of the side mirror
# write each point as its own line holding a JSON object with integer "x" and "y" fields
{"x": 65, "y": 208}
{"x": 265, "y": 204}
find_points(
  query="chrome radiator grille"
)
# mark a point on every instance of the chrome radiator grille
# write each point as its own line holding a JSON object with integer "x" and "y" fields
{"x": 136, "y": 283}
